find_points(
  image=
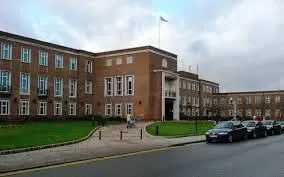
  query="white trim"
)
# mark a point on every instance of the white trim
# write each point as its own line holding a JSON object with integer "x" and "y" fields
{"x": 8, "y": 105}
{"x": 29, "y": 54}
{"x": 45, "y": 84}
{"x": 62, "y": 61}
{"x": 54, "y": 87}
{"x": 105, "y": 86}
{"x": 75, "y": 63}
{"x": 115, "y": 85}
{"x": 133, "y": 85}
{"x": 126, "y": 107}
{"x": 75, "y": 108}
{"x": 135, "y": 52}
{"x": 9, "y": 80}
{"x": 166, "y": 71}
{"x": 106, "y": 105}
{"x": 118, "y": 104}
{"x": 40, "y": 52}
{"x": 28, "y": 106}
{"x": 86, "y": 66}
{"x": 39, "y": 106}
{"x": 54, "y": 108}
{"x": 91, "y": 87}
{"x": 28, "y": 84}
{"x": 75, "y": 89}
{"x": 10, "y": 50}
{"x": 89, "y": 107}
{"x": 208, "y": 83}
{"x": 45, "y": 47}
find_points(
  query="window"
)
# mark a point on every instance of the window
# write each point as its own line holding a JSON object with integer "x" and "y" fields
{"x": 108, "y": 62}
{"x": 183, "y": 84}
{"x": 43, "y": 58}
{"x": 277, "y": 99}
{"x": 267, "y": 99}
{"x": 207, "y": 88}
{"x": 24, "y": 83}
{"x": 204, "y": 87}
{"x": 215, "y": 101}
{"x": 4, "y": 107}
{"x": 118, "y": 109}
{"x": 239, "y": 100}
{"x": 72, "y": 109}
{"x": 88, "y": 109}
{"x": 193, "y": 112}
{"x": 222, "y": 100}
{"x": 24, "y": 107}
{"x": 42, "y": 85}
{"x": 197, "y": 87}
{"x": 72, "y": 88}
{"x": 129, "y": 109}
{"x": 58, "y": 86}
{"x": 267, "y": 112}
{"x": 193, "y": 86}
{"x": 88, "y": 87}
{"x": 88, "y": 66}
{"x": 240, "y": 112}
{"x": 184, "y": 100}
{"x": 108, "y": 86}
{"x": 257, "y": 99}
{"x": 118, "y": 61}
{"x": 193, "y": 101}
{"x": 197, "y": 101}
{"x": 6, "y": 51}
{"x": 58, "y": 61}
{"x": 188, "y": 85}
{"x": 42, "y": 108}
{"x": 5, "y": 81}
{"x": 231, "y": 112}
{"x": 57, "y": 108}
{"x": 129, "y": 59}
{"x": 118, "y": 90}
{"x": 231, "y": 100}
{"x": 248, "y": 100}
{"x": 26, "y": 55}
{"x": 248, "y": 112}
{"x": 108, "y": 110}
{"x": 277, "y": 113}
{"x": 129, "y": 85}
{"x": 73, "y": 63}
{"x": 258, "y": 112}
{"x": 164, "y": 63}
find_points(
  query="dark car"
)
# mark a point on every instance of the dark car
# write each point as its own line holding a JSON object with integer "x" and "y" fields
{"x": 226, "y": 131}
{"x": 272, "y": 127}
{"x": 281, "y": 124}
{"x": 255, "y": 128}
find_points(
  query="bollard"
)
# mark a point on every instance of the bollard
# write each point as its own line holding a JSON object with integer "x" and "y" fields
{"x": 120, "y": 135}
{"x": 141, "y": 134}
{"x": 157, "y": 130}
{"x": 100, "y": 135}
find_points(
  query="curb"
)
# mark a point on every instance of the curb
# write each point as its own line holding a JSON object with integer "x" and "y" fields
{"x": 186, "y": 143}
{"x": 14, "y": 151}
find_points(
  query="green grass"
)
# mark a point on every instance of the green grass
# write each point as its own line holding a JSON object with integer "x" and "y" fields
{"x": 179, "y": 128}
{"x": 43, "y": 133}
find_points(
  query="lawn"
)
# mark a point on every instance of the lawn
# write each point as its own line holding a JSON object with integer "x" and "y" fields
{"x": 179, "y": 128}
{"x": 43, "y": 133}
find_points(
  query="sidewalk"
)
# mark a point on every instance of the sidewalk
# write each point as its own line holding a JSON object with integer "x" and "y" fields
{"x": 110, "y": 144}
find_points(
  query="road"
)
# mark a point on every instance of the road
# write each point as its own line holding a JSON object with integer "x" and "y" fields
{"x": 262, "y": 158}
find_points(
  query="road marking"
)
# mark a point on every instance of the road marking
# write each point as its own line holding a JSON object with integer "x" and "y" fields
{"x": 85, "y": 161}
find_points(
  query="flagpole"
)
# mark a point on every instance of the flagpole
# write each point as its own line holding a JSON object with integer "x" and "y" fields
{"x": 159, "y": 31}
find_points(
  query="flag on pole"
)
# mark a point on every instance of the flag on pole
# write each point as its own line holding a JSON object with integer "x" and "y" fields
{"x": 162, "y": 19}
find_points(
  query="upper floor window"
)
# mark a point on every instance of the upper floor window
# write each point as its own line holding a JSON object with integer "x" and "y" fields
{"x": 129, "y": 60}
{"x": 118, "y": 88}
{"x": 6, "y": 51}
{"x": 73, "y": 63}
{"x": 129, "y": 85}
{"x": 26, "y": 55}
{"x": 42, "y": 85}
{"x": 183, "y": 84}
{"x": 215, "y": 101}
{"x": 188, "y": 85}
{"x": 277, "y": 99}
{"x": 72, "y": 88}
{"x": 204, "y": 87}
{"x": 248, "y": 100}
{"x": 193, "y": 86}
{"x": 58, "y": 86}
{"x": 58, "y": 61}
{"x": 88, "y": 87}
{"x": 267, "y": 99}
{"x": 222, "y": 100}
{"x": 257, "y": 99}
{"x": 108, "y": 86}
{"x": 5, "y": 82}
{"x": 109, "y": 62}
{"x": 89, "y": 66}
{"x": 24, "y": 83}
{"x": 43, "y": 58}
{"x": 197, "y": 87}
{"x": 118, "y": 61}
{"x": 164, "y": 63}
{"x": 231, "y": 100}
{"x": 239, "y": 100}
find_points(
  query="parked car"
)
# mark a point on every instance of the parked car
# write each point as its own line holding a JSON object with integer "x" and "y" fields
{"x": 272, "y": 127}
{"x": 255, "y": 128}
{"x": 227, "y": 131}
{"x": 281, "y": 124}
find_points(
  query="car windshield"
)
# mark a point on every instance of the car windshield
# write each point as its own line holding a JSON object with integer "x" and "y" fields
{"x": 223, "y": 125}
{"x": 248, "y": 124}
{"x": 267, "y": 123}
{"x": 281, "y": 122}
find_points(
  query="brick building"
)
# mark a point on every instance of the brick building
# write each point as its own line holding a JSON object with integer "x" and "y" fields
{"x": 248, "y": 104}
{"x": 38, "y": 78}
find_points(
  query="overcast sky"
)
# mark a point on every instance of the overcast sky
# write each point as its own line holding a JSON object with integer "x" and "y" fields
{"x": 237, "y": 43}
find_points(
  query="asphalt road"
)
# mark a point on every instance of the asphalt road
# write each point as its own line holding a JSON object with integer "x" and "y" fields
{"x": 263, "y": 157}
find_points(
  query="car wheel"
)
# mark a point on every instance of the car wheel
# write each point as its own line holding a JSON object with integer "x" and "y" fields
{"x": 265, "y": 133}
{"x": 230, "y": 139}
{"x": 254, "y": 135}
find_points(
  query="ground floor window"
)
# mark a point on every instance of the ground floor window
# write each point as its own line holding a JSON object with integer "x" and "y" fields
{"x": 57, "y": 108}
{"x": 4, "y": 107}
{"x": 72, "y": 109}
{"x": 118, "y": 109}
{"x": 108, "y": 110}
{"x": 24, "y": 107}
{"x": 42, "y": 108}
{"x": 129, "y": 109}
{"x": 88, "y": 109}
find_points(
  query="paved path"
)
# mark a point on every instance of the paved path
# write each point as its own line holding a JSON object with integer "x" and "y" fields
{"x": 253, "y": 158}
{"x": 92, "y": 148}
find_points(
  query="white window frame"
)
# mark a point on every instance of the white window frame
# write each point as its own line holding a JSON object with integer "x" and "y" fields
{"x": 43, "y": 58}
{"x": 56, "y": 103}
{"x": 230, "y": 100}
{"x": 129, "y": 105}
{"x": 88, "y": 109}
{"x": 72, "y": 92}
{"x": 108, "y": 107}
{"x": 44, "y": 89}
{"x": 193, "y": 86}
{"x": 118, "y": 61}
{"x": 6, "y": 84}
{"x": 73, "y": 63}
{"x": 6, "y": 46}
{"x": 109, "y": 62}
{"x": 129, "y": 59}
{"x": 277, "y": 99}
{"x": 88, "y": 86}
{"x": 267, "y": 99}
{"x": 108, "y": 92}
{"x": 28, "y": 83}
{"x": 88, "y": 66}
{"x": 239, "y": 100}
{"x": 248, "y": 100}
{"x": 248, "y": 112}
{"x": 231, "y": 112}
{"x": 184, "y": 83}
{"x": 39, "y": 106}
{"x": 277, "y": 112}
{"x": 188, "y": 85}
{"x": 197, "y": 87}
{"x": 58, "y": 57}
{"x": 72, "y": 106}
{"x": 21, "y": 105}
{"x": 118, "y": 107}
{"x": 116, "y": 84}
{"x": 26, "y": 52}
{"x": 7, "y": 105}
{"x": 58, "y": 89}
{"x": 126, "y": 85}
{"x": 164, "y": 63}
